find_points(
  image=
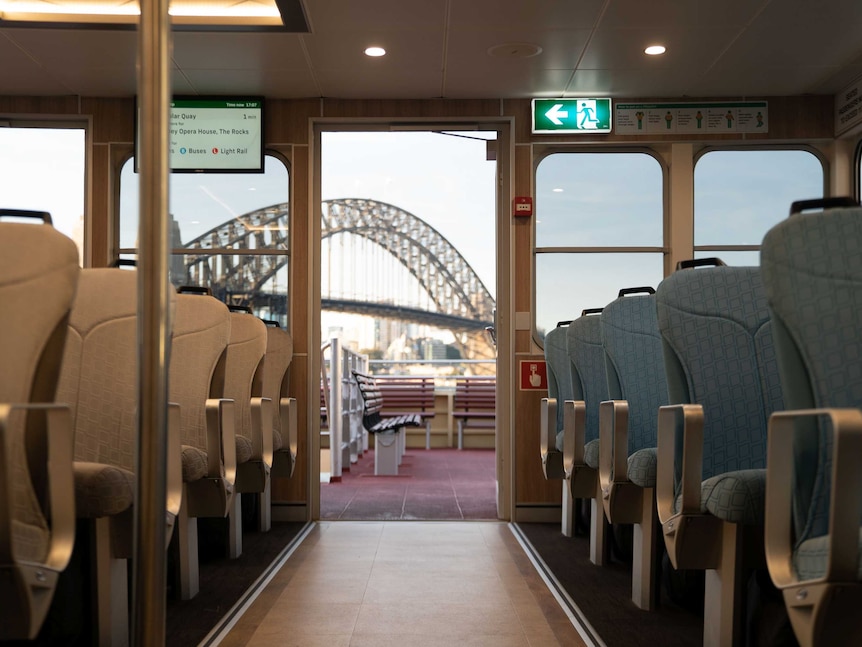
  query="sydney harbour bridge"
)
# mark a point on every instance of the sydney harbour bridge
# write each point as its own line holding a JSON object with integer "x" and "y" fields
{"x": 376, "y": 260}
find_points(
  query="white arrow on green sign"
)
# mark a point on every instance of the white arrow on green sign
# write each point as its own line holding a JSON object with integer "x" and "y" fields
{"x": 577, "y": 115}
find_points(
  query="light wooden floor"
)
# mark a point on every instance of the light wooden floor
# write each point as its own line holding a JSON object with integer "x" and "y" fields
{"x": 411, "y": 584}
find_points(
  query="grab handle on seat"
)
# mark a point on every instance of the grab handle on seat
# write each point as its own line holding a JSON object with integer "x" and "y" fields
{"x": 44, "y": 216}
{"x": 712, "y": 261}
{"x": 641, "y": 290}
{"x": 822, "y": 204}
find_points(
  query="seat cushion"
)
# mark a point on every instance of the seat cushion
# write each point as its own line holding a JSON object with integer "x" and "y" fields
{"x": 277, "y": 440}
{"x": 194, "y": 464}
{"x": 591, "y": 453}
{"x": 30, "y": 541}
{"x": 737, "y": 497}
{"x": 559, "y": 441}
{"x": 102, "y": 490}
{"x": 810, "y": 558}
{"x": 642, "y": 467}
{"x": 243, "y": 449}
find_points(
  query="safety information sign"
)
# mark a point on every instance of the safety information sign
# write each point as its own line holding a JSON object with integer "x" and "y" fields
{"x": 711, "y": 118}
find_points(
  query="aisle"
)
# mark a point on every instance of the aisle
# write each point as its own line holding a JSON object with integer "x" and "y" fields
{"x": 422, "y": 584}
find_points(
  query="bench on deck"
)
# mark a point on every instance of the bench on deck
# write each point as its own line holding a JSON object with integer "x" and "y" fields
{"x": 389, "y": 432}
{"x": 475, "y": 404}
{"x": 408, "y": 395}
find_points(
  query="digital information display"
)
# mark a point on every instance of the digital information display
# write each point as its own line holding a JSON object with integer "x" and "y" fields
{"x": 217, "y": 135}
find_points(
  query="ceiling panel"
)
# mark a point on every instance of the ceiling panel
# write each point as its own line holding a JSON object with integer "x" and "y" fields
{"x": 404, "y": 50}
{"x": 560, "y": 48}
{"x": 271, "y": 83}
{"x": 396, "y": 83}
{"x": 20, "y": 74}
{"x": 673, "y": 14}
{"x": 535, "y": 14}
{"x": 238, "y": 51}
{"x": 758, "y": 81}
{"x": 521, "y": 82}
{"x": 79, "y": 48}
{"x": 727, "y": 48}
{"x": 327, "y": 15}
{"x": 612, "y": 49}
{"x": 629, "y": 83}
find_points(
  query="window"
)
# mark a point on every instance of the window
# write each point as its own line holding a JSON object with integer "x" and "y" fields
{"x": 599, "y": 228}
{"x": 229, "y": 233}
{"x": 42, "y": 169}
{"x": 740, "y": 194}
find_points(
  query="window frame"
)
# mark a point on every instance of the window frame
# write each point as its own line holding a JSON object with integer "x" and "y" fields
{"x": 702, "y": 152}
{"x": 220, "y": 251}
{"x": 542, "y": 152}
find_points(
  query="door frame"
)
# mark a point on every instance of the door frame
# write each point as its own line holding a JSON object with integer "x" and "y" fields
{"x": 504, "y": 247}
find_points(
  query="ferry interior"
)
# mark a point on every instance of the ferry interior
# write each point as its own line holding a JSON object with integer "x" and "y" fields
{"x": 646, "y": 408}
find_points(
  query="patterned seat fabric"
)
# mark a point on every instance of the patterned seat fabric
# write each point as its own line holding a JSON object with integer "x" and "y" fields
{"x": 559, "y": 373}
{"x": 38, "y": 279}
{"x": 811, "y": 557}
{"x": 642, "y": 467}
{"x": 201, "y": 331}
{"x": 591, "y": 453}
{"x": 279, "y": 353}
{"x": 589, "y": 382}
{"x": 719, "y": 353}
{"x": 812, "y": 270}
{"x": 99, "y": 379}
{"x": 738, "y": 497}
{"x": 635, "y": 366}
{"x": 246, "y": 350}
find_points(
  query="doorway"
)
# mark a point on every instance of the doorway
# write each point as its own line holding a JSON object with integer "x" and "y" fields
{"x": 408, "y": 281}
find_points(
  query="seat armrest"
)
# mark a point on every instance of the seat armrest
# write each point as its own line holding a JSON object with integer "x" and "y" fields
{"x": 261, "y": 430}
{"x": 548, "y": 427}
{"x": 688, "y": 418}
{"x": 221, "y": 439}
{"x": 842, "y": 543}
{"x": 574, "y": 430}
{"x": 175, "y": 460}
{"x": 61, "y": 497}
{"x": 613, "y": 442}
{"x": 288, "y": 422}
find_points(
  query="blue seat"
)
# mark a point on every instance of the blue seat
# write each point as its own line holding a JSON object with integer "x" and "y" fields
{"x": 812, "y": 270}
{"x": 628, "y": 428}
{"x": 723, "y": 384}
{"x": 581, "y": 421}
{"x": 559, "y": 390}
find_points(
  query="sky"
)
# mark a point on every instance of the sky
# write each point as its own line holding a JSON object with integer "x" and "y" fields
{"x": 43, "y": 170}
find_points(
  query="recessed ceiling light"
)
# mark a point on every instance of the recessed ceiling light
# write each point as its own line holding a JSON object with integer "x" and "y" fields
{"x": 375, "y": 51}
{"x": 557, "y": 190}
{"x": 655, "y": 50}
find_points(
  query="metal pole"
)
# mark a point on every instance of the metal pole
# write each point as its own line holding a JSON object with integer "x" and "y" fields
{"x": 148, "y": 608}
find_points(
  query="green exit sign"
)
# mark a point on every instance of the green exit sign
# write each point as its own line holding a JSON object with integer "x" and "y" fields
{"x": 581, "y": 115}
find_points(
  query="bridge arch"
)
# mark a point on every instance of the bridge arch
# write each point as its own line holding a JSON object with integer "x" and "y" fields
{"x": 460, "y": 298}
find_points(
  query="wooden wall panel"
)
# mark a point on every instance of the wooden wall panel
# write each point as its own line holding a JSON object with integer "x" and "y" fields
{"x": 113, "y": 119}
{"x": 65, "y": 105}
{"x": 411, "y": 108}
{"x": 287, "y": 121}
{"x": 530, "y": 484}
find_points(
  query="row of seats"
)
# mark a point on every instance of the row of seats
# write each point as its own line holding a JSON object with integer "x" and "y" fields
{"x": 70, "y": 337}
{"x": 700, "y": 414}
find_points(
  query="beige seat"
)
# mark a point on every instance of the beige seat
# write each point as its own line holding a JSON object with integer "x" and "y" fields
{"x": 244, "y": 384}
{"x": 279, "y": 353}
{"x": 198, "y": 352}
{"x": 38, "y": 277}
{"x": 99, "y": 379}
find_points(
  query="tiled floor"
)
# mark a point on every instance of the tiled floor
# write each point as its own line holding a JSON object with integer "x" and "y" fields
{"x": 414, "y": 584}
